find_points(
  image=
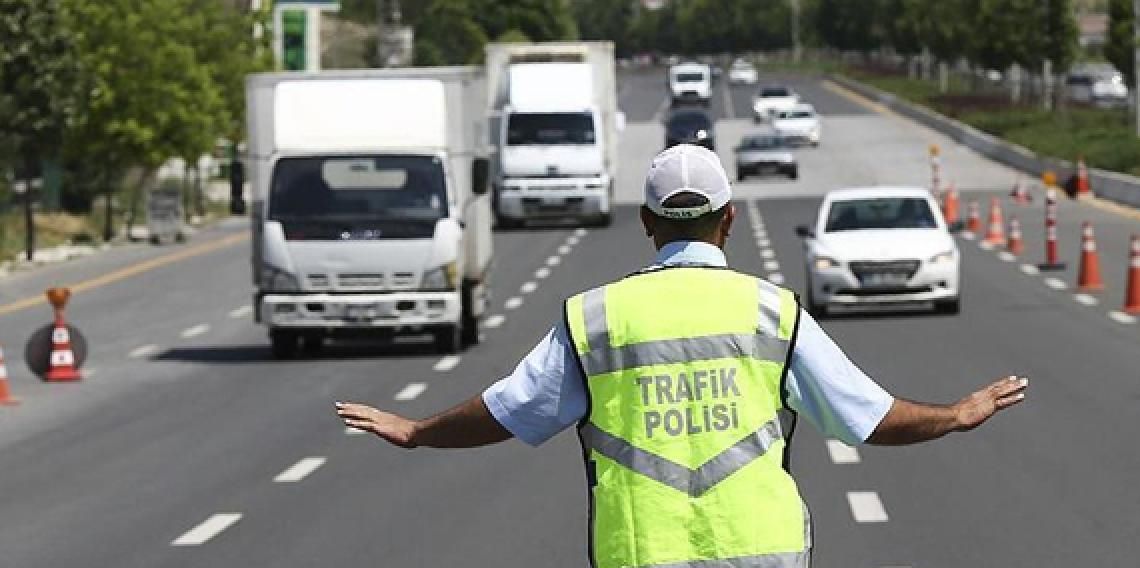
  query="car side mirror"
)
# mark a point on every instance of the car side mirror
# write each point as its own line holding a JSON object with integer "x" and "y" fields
{"x": 804, "y": 232}
{"x": 480, "y": 175}
{"x": 957, "y": 226}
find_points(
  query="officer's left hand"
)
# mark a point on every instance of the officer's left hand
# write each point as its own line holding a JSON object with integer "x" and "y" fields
{"x": 396, "y": 429}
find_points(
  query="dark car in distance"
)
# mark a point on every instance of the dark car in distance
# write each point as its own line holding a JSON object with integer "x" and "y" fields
{"x": 690, "y": 126}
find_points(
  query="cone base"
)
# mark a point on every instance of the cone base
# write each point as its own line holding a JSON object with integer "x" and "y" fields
{"x": 69, "y": 375}
{"x": 1132, "y": 310}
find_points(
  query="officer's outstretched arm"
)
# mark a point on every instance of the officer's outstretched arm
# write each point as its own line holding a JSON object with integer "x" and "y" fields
{"x": 465, "y": 425}
{"x": 909, "y": 422}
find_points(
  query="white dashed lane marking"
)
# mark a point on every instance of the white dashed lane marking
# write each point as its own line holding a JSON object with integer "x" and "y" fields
{"x": 300, "y": 470}
{"x": 771, "y": 265}
{"x": 513, "y": 303}
{"x": 580, "y": 233}
{"x": 763, "y": 243}
{"x": 1121, "y": 317}
{"x": 446, "y": 364}
{"x": 553, "y": 261}
{"x": 1007, "y": 256}
{"x": 144, "y": 351}
{"x": 195, "y": 331}
{"x": 542, "y": 273}
{"x": 564, "y": 250}
{"x": 985, "y": 245}
{"x": 776, "y": 278}
{"x": 1055, "y": 284}
{"x": 842, "y": 453}
{"x": 494, "y": 321}
{"x": 411, "y": 391}
{"x": 1085, "y": 299}
{"x": 209, "y": 528}
{"x": 1029, "y": 269}
{"x": 241, "y": 311}
{"x": 528, "y": 287}
{"x": 866, "y": 507}
{"x": 572, "y": 240}
{"x": 767, "y": 253}
{"x": 968, "y": 236}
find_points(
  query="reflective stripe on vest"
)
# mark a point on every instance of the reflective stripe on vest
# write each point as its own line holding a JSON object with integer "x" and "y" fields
{"x": 684, "y": 369}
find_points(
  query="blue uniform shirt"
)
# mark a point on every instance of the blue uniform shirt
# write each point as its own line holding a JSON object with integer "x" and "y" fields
{"x": 546, "y": 393}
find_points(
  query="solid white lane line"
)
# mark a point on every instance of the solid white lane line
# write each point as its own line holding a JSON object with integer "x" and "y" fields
{"x": 564, "y": 250}
{"x": 841, "y": 453}
{"x": 553, "y": 261}
{"x": 144, "y": 351}
{"x": 209, "y": 528}
{"x": 1055, "y": 284}
{"x": 767, "y": 253}
{"x": 446, "y": 364}
{"x": 513, "y": 302}
{"x": 350, "y": 431}
{"x": 1085, "y": 299}
{"x": 1007, "y": 256}
{"x": 195, "y": 331}
{"x": 528, "y": 287}
{"x": 776, "y": 278}
{"x": 241, "y": 311}
{"x": 771, "y": 265}
{"x": 866, "y": 507}
{"x": 300, "y": 470}
{"x": 1029, "y": 269}
{"x": 542, "y": 273}
{"x": 1121, "y": 317}
{"x": 494, "y": 321}
{"x": 411, "y": 391}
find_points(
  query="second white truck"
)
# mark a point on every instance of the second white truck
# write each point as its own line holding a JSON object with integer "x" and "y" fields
{"x": 554, "y": 126}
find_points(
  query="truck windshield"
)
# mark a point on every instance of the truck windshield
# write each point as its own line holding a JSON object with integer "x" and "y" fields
{"x": 341, "y": 196}
{"x": 550, "y": 128}
{"x": 690, "y": 77}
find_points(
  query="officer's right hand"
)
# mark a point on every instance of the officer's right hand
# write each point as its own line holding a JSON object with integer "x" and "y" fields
{"x": 396, "y": 429}
{"x": 978, "y": 407}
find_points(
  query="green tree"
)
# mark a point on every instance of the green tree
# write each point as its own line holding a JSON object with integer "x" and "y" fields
{"x": 39, "y": 76}
{"x": 540, "y": 20}
{"x": 1059, "y": 26}
{"x": 1121, "y": 45}
{"x": 850, "y": 25}
{"x": 605, "y": 20}
{"x": 449, "y": 35}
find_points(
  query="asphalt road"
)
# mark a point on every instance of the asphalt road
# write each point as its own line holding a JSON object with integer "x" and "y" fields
{"x": 188, "y": 445}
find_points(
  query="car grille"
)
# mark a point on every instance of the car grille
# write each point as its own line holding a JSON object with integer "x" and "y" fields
{"x": 898, "y": 268}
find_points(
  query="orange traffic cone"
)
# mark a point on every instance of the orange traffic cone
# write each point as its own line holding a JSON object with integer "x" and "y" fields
{"x": 1088, "y": 278}
{"x": 995, "y": 234}
{"x": 1020, "y": 193}
{"x": 950, "y": 205}
{"x": 974, "y": 217}
{"x": 5, "y": 395}
{"x": 1132, "y": 294}
{"x": 1014, "y": 244}
{"x": 1083, "y": 188}
{"x": 62, "y": 362}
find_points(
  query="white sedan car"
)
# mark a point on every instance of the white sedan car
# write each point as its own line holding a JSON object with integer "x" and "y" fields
{"x": 772, "y": 99}
{"x": 800, "y": 125}
{"x": 742, "y": 73}
{"x": 877, "y": 246}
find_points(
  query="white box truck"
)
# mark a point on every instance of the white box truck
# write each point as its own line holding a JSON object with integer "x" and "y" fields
{"x": 554, "y": 125}
{"x": 370, "y": 209}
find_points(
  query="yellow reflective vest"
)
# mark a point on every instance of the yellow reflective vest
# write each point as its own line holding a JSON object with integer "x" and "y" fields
{"x": 685, "y": 367}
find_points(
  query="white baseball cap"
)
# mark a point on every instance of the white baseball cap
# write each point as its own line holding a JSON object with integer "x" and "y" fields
{"x": 686, "y": 168}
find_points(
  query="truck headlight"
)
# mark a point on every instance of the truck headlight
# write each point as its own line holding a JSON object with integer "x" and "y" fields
{"x": 276, "y": 280}
{"x": 442, "y": 278}
{"x": 824, "y": 263}
{"x": 942, "y": 257}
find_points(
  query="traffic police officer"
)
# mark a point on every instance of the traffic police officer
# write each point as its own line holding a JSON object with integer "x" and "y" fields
{"x": 677, "y": 377}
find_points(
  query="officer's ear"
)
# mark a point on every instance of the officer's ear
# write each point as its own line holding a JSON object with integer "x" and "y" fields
{"x": 726, "y": 223}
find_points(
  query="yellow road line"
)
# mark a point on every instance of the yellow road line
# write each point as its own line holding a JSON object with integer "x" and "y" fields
{"x": 132, "y": 270}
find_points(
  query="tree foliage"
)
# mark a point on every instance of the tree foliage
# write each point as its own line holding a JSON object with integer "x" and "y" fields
{"x": 1120, "y": 48}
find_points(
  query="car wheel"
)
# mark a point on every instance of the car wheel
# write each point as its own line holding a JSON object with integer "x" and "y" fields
{"x": 470, "y": 323}
{"x": 448, "y": 339}
{"x": 815, "y": 309}
{"x": 949, "y": 307}
{"x": 284, "y": 343}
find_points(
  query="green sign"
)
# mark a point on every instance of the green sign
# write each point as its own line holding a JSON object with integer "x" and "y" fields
{"x": 293, "y": 40}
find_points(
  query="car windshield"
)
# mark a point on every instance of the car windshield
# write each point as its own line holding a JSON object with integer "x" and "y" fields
{"x": 550, "y": 128}
{"x": 690, "y": 77}
{"x": 352, "y": 189}
{"x": 762, "y": 143}
{"x": 880, "y": 213}
{"x": 774, "y": 92}
{"x": 797, "y": 114}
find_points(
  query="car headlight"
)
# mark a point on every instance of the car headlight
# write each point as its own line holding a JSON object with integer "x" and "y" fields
{"x": 276, "y": 280}
{"x": 824, "y": 263}
{"x": 942, "y": 257}
{"x": 442, "y": 278}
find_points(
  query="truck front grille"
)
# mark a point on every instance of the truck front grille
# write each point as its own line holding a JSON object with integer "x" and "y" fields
{"x": 361, "y": 280}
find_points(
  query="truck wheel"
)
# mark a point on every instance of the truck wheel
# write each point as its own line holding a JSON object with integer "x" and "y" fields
{"x": 448, "y": 339}
{"x": 312, "y": 344}
{"x": 794, "y": 173}
{"x": 470, "y": 323}
{"x": 284, "y": 343}
{"x": 506, "y": 223}
{"x": 603, "y": 220}
{"x": 949, "y": 307}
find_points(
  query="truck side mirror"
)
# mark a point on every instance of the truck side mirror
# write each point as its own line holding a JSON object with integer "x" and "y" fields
{"x": 480, "y": 174}
{"x": 804, "y": 232}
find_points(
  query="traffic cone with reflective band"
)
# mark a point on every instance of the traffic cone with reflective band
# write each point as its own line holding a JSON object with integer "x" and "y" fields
{"x": 974, "y": 217}
{"x": 1083, "y": 187}
{"x": 5, "y": 394}
{"x": 950, "y": 205}
{"x": 1020, "y": 192}
{"x": 62, "y": 363}
{"x": 1132, "y": 291}
{"x": 1088, "y": 278}
{"x": 1014, "y": 244}
{"x": 995, "y": 233}
{"x": 1052, "y": 257}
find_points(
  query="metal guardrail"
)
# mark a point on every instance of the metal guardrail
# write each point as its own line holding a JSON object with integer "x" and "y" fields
{"x": 1118, "y": 187}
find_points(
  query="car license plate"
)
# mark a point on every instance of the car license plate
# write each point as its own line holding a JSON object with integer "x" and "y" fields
{"x": 883, "y": 279}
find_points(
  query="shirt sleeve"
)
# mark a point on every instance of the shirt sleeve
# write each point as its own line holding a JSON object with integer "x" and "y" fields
{"x": 544, "y": 395}
{"x": 827, "y": 388}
